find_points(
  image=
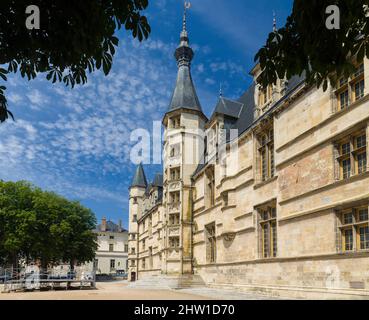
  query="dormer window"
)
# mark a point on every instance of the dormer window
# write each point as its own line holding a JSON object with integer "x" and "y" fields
{"x": 265, "y": 95}
{"x": 350, "y": 89}
{"x": 176, "y": 122}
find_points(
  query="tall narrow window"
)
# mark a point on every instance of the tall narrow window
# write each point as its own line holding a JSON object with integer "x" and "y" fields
{"x": 150, "y": 226}
{"x": 175, "y": 174}
{"x": 111, "y": 247}
{"x": 361, "y": 160}
{"x": 175, "y": 200}
{"x": 112, "y": 265}
{"x": 268, "y": 229}
{"x": 344, "y": 99}
{"x": 174, "y": 219}
{"x": 174, "y": 242}
{"x": 211, "y": 243}
{"x": 266, "y": 154}
{"x": 175, "y": 150}
{"x": 210, "y": 186}
{"x": 176, "y": 122}
{"x": 150, "y": 258}
{"x": 354, "y": 229}
{"x": 265, "y": 96}
{"x": 212, "y": 141}
{"x": 359, "y": 89}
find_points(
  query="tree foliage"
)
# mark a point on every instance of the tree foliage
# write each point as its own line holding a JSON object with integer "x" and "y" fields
{"x": 75, "y": 38}
{"x": 305, "y": 44}
{"x": 42, "y": 226}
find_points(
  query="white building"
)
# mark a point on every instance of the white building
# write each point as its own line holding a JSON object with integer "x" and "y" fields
{"x": 112, "y": 252}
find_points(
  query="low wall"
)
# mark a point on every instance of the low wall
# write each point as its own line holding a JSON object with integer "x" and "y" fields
{"x": 330, "y": 277}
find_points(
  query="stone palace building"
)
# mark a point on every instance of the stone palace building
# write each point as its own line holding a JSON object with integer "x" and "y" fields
{"x": 270, "y": 194}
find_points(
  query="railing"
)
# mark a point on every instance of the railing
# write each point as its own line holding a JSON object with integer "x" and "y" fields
{"x": 33, "y": 278}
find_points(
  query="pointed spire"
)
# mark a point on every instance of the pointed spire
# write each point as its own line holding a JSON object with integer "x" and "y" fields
{"x": 184, "y": 53}
{"x": 220, "y": 90}
{"x": 274, "y": 22}
{"x": 187, "y": 5}
{"x": 139, "y": 179}
{"x": 184, "y": 95}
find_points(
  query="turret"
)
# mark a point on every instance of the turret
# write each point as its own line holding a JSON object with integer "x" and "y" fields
{"x": 136, "y": 194}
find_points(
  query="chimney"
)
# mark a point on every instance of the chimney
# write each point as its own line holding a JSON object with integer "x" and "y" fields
{"x": 120, "y": 225}
{"x": 103, "y": 224}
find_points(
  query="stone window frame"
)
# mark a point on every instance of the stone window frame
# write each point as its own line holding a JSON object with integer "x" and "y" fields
{"x": 112, "y": 264}
{"x": 149, "y": 226}
{"x": 174, "y": 242}
{"x": 175, "y": 173}
{"x": 346, "y": 88}
{"x": 175, "y": 122}
{"x": 267, "y": 220}
{"x": 353, "y": 225}
{"x": 212, "y": 140}
{"x": 111, "y": 247}
{"x": 347, "y": 153}
{"x": 174, "y": 219}
{"x": 175, "y": 150}
{"x": 211, "y": 243}
{"x": 265, "y": 153}
{"x": 210, "y": 186}
{"x": 174, "y": 198}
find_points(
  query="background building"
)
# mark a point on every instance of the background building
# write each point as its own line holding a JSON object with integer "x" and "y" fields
{"x": 112, "y": 253}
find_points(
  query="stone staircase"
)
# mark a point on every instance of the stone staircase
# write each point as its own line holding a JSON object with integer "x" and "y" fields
{"x": 168, "y": 282}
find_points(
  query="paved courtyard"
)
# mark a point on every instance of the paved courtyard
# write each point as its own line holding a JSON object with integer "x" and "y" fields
{"x": 120, "y": 291}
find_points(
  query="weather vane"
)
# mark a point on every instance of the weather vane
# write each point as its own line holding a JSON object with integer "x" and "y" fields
{"x": 187, "y": 5}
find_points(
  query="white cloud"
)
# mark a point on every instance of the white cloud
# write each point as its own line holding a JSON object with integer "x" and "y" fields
{"x": 80, "y": 144}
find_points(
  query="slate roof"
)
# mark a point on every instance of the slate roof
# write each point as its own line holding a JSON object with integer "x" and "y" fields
{"x": 111, "y": 227}
{"x": 158, "y": 180}
{"x": 184, "y": 95}
{"x": 139, "y": 179}
{"x": 246, "y": 107}
{"x": 228, "y": 108}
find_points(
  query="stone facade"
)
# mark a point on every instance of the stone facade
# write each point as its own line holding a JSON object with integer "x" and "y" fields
{"x": 112, "y": 253}
{"x": 281, "y": 209}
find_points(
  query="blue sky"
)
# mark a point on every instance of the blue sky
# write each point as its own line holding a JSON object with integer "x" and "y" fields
{"x": 77, "y": 142}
